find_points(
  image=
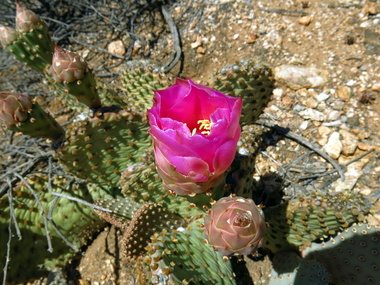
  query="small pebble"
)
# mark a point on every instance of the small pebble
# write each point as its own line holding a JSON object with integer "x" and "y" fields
{"x": 311, "y": 103}
{"x": 305, "y": 20}
{"x": 376, "y": 86}
{"x": 334, "y": 146}
{"x": 333, "y": 115}
{"x": 365, "y": 147}
{"x": 116, "y": 47}
{"x": 297, "y": 77}
{"x": 344, "y": 93}
{"x": 323, "y": 97}
{"x": 349, "y": 142}
{"x": 311, "y": 114}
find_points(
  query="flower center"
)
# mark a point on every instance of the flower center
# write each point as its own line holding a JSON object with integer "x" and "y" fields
{"x": 204, "y": 127}
{"x": 242, "y": 219}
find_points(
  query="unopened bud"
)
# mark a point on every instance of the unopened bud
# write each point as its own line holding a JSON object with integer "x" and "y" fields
{"x": 26, "y": 20}
{"x": 14, "y": 108}
{"x": 7, "y": 35}
{"x": 67, "y": 66}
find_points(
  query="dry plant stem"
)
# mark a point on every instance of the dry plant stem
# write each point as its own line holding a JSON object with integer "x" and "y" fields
{"x": 284, "y": 11}
{"x": 81, "y": 201}
{"x": 50, "y": 247}
{"x": 27, "y": 169}
{"x": 334, "y": 170}
{"x": 176, "y": 55}
{"x": 289, "y": 134}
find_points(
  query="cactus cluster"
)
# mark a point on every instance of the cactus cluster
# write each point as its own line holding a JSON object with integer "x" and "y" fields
{"x": 173, "y": 204}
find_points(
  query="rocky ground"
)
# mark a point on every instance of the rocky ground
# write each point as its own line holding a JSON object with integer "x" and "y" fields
{"x": 325, "y": 55}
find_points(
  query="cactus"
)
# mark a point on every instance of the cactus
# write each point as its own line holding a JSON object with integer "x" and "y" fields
{"x": 183, "y": 257}
{"x": 289, "y": 268}
{"x": 99, "y": 149}
{"x": 138, "y": 83}
{"x": 37, "y": 211}
{"x": 30, "y": 43}
{"x": 351, "y": 256}
{"x": 168, "y": 209}
{"x": 20, "y": 114}
{"x": 252, "y": 81}
{"x": 300, "y": 221}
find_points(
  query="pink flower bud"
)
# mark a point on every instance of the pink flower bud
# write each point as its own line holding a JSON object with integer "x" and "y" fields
{"x": 14, "y": 108}
{"x": 7, "y": 35}
{"x": 235, "y": 225}
{"x": 195, "y": 131}
{"x": 26, "y": 20}
{"x": 67, "y": 66}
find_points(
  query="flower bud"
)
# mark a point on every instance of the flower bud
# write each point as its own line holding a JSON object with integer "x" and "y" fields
{"x": 67, "y": 66}
{"x": 14, "y": 108}
{"x": 7, "y": 35}
{"x": 26, "y": 20}
{"x": 235, "y": 225}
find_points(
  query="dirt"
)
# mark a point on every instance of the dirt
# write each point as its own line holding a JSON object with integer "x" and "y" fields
{"x": 340, "y": 37}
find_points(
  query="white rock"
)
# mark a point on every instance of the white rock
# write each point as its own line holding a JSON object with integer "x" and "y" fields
{"x": 116, "y": 47}
{"x": 297, "y": 77}
{"x": 322, "y": 96}
{"x": 333, "y": 115}
{"x": 311, "y": 114}
{"x": 334, "y": 146}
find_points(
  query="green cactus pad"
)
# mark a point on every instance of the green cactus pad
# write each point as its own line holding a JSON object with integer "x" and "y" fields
{"x": 184, "y": 257}
{"x": 352, "y": 257}
{"x": 39, "y": 124}
{"x": 34, "y": 48}
{"x": 252, "y": 81}
{"x": 138, "y": 84}
{"x": 84, "y": 90}
{"x": 290, "y": 269}
{"x": 29, "y": 257}
{"x": 300, "y": 221}
{"x": 100, "y": 148}
{"x": 148, "y": 220}
{"x": 76, "y": 222}
{"x": 142, "y": 182}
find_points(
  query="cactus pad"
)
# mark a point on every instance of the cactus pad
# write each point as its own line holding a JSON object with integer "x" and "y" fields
{"x": 100, "y": 148}
{"x": 183, "y": 257}
{"x": 252, "y": 81}
{"x": 300, "y": 221}
{"x": 289, "y": 268}
{"x": 352, "y": 257}
{"x": 76, "y": 222}
{"x": 139, "y": 82}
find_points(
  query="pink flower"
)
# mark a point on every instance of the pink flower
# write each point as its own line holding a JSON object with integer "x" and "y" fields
{"x": 195, "y": 131}
{"x": 235, "y": 225}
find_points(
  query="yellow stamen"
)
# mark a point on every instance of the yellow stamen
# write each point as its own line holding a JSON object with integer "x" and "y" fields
{"x": 204, "y": 128}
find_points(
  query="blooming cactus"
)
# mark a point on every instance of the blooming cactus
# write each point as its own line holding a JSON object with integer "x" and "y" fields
{"x": 235, "y": 225}
{"x": 67, "y": 66}
{"x": 195, "y": 131}
{"x": 14, "y": 108}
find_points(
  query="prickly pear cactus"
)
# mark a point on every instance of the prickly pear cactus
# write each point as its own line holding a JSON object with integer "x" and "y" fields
{"x": 251, "y": 80}
{"x": 181, "y": 256}
{"x": 108, "y": 147}
{"x": 289, "y": 268}
{"x": 351, "y": 257}
{"x": 99, "y": 148}
{"x": 300, "y": 221}
{"x": 39, "y": 213}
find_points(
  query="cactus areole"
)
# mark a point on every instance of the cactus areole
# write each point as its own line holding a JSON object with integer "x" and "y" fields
{"x": 235, "y": 225}
{"x": 195, "y": 131}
